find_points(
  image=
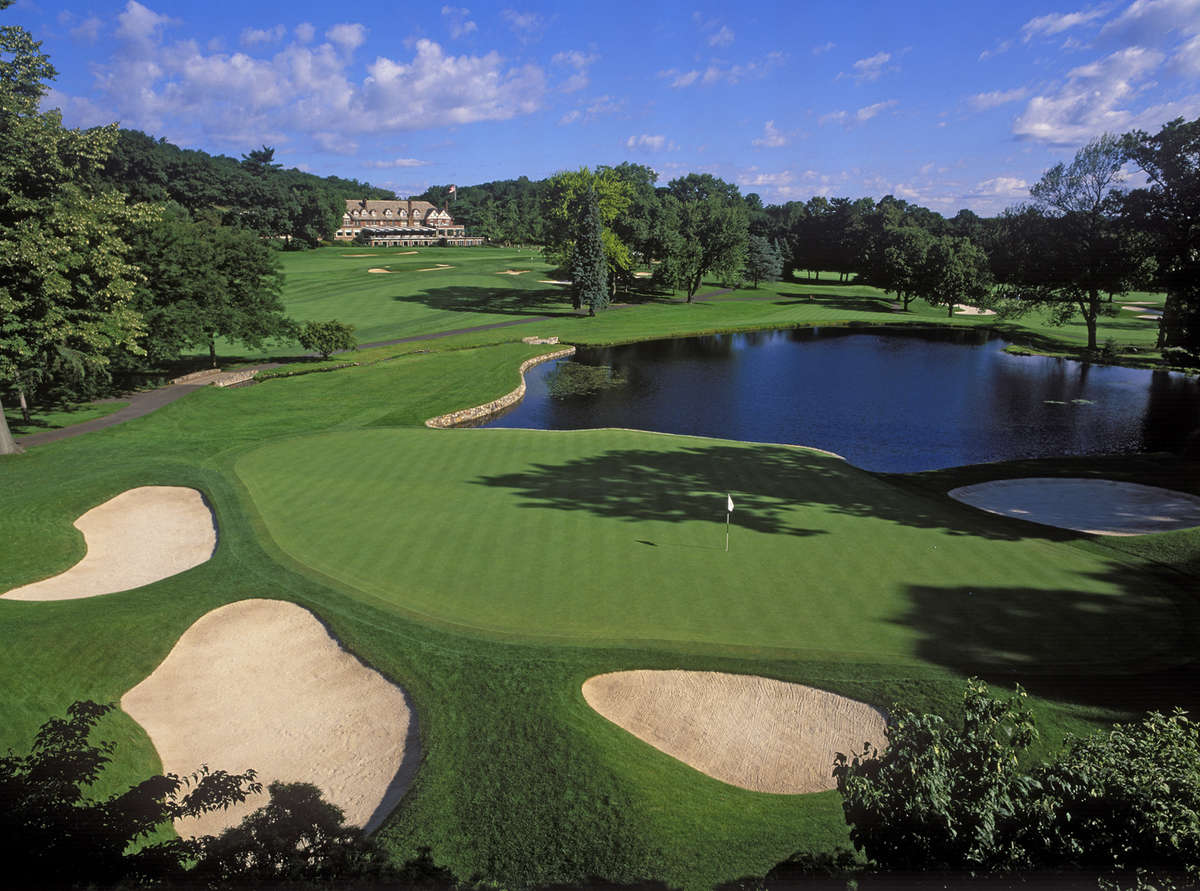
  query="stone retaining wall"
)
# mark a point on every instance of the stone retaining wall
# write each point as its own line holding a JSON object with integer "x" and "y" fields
{"x": 230, "y": 378}
{"x": 196, "y": 376}
{"x": 490, "y": 408}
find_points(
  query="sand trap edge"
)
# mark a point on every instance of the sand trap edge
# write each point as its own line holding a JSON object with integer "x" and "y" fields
{"x": 1186, "y": 507}
{"x": 114, "y": 534}
{"x": 748, "y": 731}
{"x": 184, "y": 706}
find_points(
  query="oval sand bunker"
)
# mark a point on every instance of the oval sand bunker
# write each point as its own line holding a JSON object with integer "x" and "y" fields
{"x": 141, "y": 536}
{"x": 753, "y": 732}
{"x": 1098, "y": 507}
{"x": 261, "y": 685}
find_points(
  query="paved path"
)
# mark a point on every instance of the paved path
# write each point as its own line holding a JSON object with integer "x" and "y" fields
{"x": 151, "y": 400}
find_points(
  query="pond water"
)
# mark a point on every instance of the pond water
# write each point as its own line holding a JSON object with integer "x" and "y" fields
{"x": 898, "y": 401}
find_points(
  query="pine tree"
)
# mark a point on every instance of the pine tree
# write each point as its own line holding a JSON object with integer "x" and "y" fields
{"x": 589, "y": 268}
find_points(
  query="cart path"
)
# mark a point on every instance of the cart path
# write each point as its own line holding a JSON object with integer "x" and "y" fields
{"x": 148, "y": 401}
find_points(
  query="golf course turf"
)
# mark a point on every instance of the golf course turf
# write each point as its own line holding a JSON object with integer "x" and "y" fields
{"x": 490, "y": 573}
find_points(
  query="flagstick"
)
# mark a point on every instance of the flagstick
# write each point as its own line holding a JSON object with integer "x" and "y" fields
{"x": 728, "y": 514}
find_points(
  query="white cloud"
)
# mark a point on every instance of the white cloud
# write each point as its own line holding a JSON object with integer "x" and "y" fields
{"x": 580, "y": 62}
{"x": 1186, "y": 62}
{"x": 254, "y": 36}
{"x": 528, "y": 26}
{"x": 1093, "y": 100}
{"x": 650, "y": 143}
{"x": 348, "y": 37}
{"x": 459, "y": 21}
{"x": 864, "y": 114}
{"x": 717, "y": 73}
{"x": 139, "y": 24}
{"x": 996, "y": 98}
{"x": 237, "y": 99}
{"x": 1057, "y": 22}
{"x": 305, "y": 32}
{"x": 724, "y": 37}
{"x": 1002, "y": 46}
{"x": 1010, "y": 187}
{"x": 872, "y": 67}
{"x": 87, "y": 31}
{"x": 823, "y": 48}
{"x": 397, "y": 162}
{"x": 758, "y": 180}
{"x": 571, "y": 117}
{"x": 771, "y": 138}
{"x": 1148, "y": 22}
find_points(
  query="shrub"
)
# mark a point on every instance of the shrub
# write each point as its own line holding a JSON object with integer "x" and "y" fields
{"x": 327, "y": 338}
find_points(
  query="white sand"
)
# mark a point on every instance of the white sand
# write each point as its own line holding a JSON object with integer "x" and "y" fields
{"x": 1098, "y": 507}
{"x": 1135, "y": 307}
{"x": 379, "y": 269}
{"x": 141, "y": 536}
{"x": 261, "y": 684}
{"x": 552, "y": 281}
{"x": 753, "y": 732}
{"x": 513, "y": 272}
{"x": 964, "y": 309}
{"x": 1151, "y": 317}
{"x": 435, "y": 268}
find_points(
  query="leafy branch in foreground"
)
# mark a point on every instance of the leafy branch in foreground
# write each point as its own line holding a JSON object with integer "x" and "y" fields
{"x": 947, "y": 798}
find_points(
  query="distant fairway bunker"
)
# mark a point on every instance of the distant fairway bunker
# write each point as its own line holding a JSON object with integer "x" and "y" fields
{"x": 261, "y": 684}
{"x": 1097, "y": 507}
{"x": 748, "y": 731}
{"x": 452, "y": 527}
{"x": 141, "y": 536}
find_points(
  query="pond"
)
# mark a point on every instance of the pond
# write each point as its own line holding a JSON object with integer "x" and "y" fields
{"x": 895, "y": 401}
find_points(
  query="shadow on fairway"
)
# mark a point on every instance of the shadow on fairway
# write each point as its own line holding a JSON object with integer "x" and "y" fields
{"x": 767, "y": 484}
{"x": 548, "y": 301}
{"x": 1132, "y": 650}
{"x": 828, "y": 301}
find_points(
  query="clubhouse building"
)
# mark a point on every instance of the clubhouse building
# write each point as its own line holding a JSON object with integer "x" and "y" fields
{"x": 401, "y": 224}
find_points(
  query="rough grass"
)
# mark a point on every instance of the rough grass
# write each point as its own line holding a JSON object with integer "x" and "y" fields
{"x": 56, "y": 415}
{"x": 521, "y": 783}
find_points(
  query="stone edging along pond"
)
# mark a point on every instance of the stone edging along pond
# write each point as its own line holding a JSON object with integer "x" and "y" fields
{"x": 490, "y": 408}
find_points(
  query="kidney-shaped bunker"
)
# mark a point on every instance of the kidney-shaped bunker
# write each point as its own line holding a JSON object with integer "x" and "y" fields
{"x": 261, "y": 684}
{"x": 748, "y": 731}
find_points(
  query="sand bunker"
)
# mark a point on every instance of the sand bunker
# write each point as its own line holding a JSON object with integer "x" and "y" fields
{"x": 1136, "y": 307}
{"x": 552, "y": 281}
{"x": 513, "y": 272}
{"x": 964, "y": 309}
{"x": 358, "y": 255}
{"x": 1151, "y": 317}
{"x": 753, "y": 732}
{"x": 378, "y": 269}
{"x": 435, "y": 268}
{"x": 1098, "y": 507}
{"x": 140, "y": 536}
{"x": 261, "y": 684}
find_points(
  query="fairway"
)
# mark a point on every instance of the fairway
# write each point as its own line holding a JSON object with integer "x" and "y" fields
{"x": 826, "y": 561}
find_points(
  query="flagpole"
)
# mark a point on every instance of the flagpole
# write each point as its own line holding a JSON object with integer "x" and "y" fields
{"x": 728, "y": 514}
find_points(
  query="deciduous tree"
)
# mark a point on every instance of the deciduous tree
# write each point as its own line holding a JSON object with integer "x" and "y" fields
{"x": 327, "y": 338}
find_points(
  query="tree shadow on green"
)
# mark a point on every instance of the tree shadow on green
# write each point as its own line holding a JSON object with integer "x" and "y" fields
{"x": 1131, "y": 650}
{"x": 767, "y": 484}
{"x": 500, "y": 300}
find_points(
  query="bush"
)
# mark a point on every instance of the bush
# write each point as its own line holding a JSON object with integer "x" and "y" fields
{"x": 327, "y": 338}
{"x": 1124, "y": 802}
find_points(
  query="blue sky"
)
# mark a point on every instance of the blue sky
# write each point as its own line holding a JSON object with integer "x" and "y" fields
{"x": 949, "y": 105}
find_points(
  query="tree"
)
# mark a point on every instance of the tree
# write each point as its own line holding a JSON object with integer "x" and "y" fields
{"x": 1170, "y": 209}
{"x": 296, "y": 836}
{"x": 940, "y": 797}
{"x": 53, "y": 833}
{"x": 711, "y": 229}
{"x": 763, "y": 261}
{"x": 65, "y": 283}
{"x": 565, "y": 200}
{"x": 1084, "y": 251}
{"x": 203, "y": 281}
{"x": 896, "y": 260}
{"x": 954, "y": 270}
{"x": 589, "y": 269}
{"x": 327, "y": 338}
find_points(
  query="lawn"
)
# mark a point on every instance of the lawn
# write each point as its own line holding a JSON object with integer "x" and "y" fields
{"x": 490, "y": 572}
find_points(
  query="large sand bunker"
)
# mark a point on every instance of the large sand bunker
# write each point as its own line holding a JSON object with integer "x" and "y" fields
{"x": 261, "y": 684}
{"x": 965, "y": 309}
{"x": 752, "y": 732}
{"x": 141, "y": 536}
{"x": 1098, "y": 507}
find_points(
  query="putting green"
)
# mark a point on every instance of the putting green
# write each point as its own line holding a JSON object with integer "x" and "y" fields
{"x": 615, "y": 535}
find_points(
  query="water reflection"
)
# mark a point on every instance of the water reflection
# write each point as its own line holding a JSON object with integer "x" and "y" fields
{"x": 895, "y": 401}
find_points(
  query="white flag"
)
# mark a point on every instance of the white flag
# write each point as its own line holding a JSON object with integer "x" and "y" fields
{"x": 729, "y": 506}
